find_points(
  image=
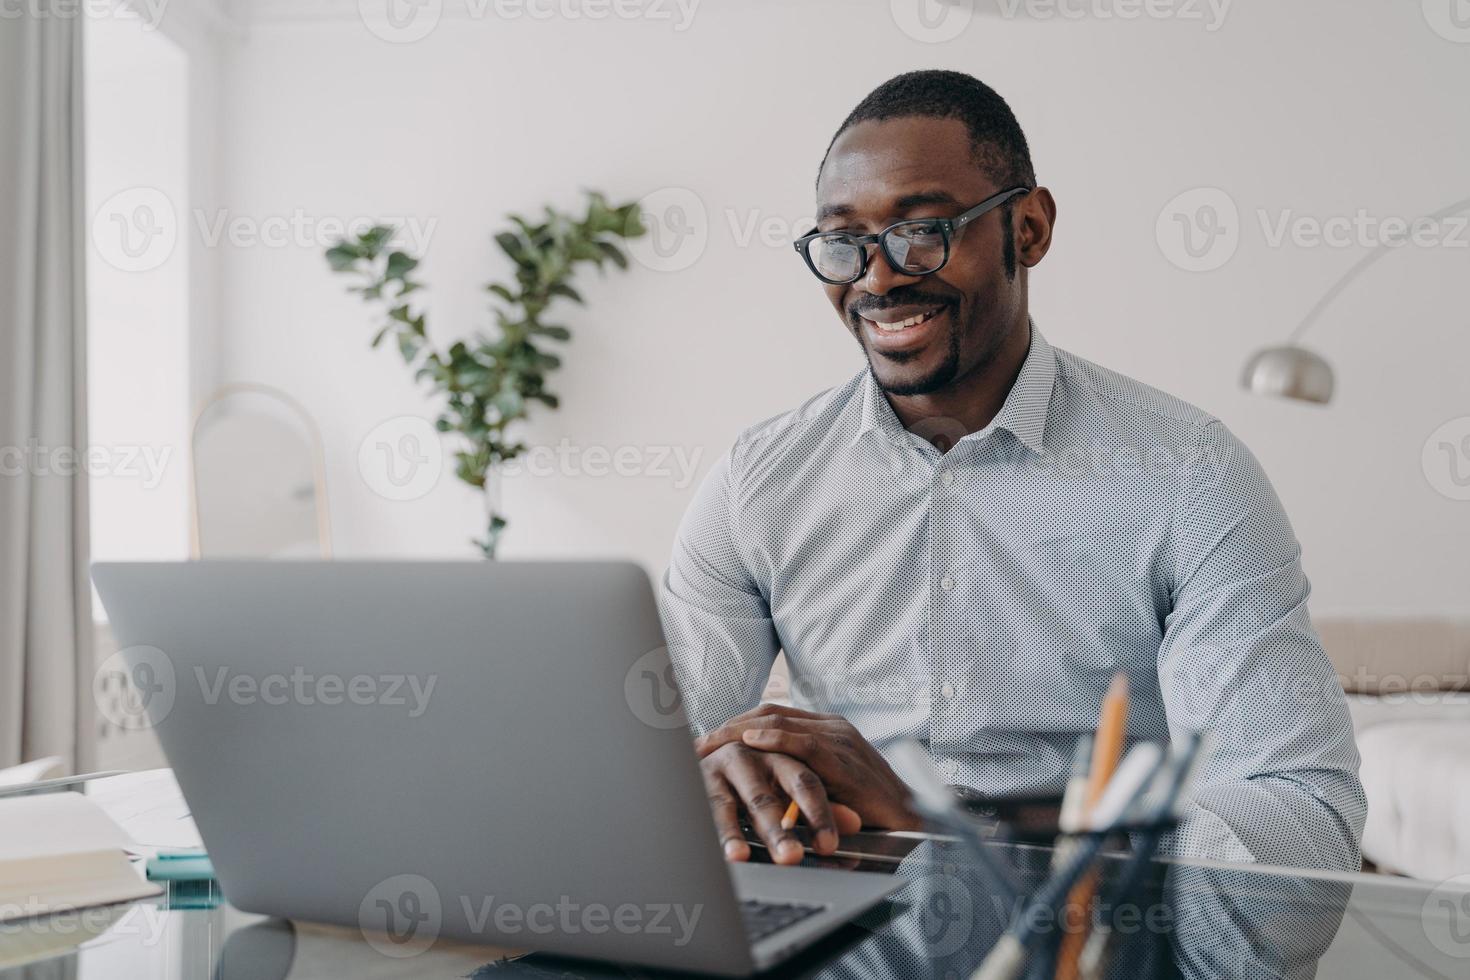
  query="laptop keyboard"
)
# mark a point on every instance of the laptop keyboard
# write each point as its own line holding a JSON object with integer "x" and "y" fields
{"x": 764, "y": 919}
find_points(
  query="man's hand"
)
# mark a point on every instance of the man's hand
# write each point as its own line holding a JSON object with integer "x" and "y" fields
{"x": 846, "y": 770}
{"x": 761, "y": 783}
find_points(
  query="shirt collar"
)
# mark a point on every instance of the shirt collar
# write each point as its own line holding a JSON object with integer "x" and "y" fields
{"x": 1023, "y": 414}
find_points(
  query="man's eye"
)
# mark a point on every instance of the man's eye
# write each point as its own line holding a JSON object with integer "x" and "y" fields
{"x": 919, "y": 230}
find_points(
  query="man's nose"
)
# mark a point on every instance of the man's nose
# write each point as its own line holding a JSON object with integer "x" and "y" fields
{"x": 881, "y": 277}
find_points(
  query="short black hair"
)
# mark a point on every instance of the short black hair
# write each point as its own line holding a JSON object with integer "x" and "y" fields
{"x": 996, "y": 138}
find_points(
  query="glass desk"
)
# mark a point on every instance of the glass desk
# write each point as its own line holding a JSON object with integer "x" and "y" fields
{"x": 1208, "y": 921}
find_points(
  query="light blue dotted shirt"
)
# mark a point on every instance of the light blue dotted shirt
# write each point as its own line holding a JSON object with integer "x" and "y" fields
{"x": 981, "y": 600}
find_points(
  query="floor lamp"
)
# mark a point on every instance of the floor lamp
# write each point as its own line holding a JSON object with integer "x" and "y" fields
{"x": 1293, "y": 371}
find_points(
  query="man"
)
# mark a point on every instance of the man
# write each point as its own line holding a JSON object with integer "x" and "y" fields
{"x": 964, "y": 543}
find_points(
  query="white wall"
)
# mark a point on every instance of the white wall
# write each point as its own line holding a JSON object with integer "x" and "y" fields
{"x": 1305, "y": 106}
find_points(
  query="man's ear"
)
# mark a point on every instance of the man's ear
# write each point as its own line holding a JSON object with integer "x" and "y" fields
{"x": 1035, "y": 218}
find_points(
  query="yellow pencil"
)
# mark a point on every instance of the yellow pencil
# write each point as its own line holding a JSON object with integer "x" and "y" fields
{"x": 793, "y": 812}
{"x": 1112, "y": 731}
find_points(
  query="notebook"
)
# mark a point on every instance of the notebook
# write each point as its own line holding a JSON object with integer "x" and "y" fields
{"x": 59, "y": 852}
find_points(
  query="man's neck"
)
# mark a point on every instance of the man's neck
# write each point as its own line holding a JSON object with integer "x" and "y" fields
{"x": 974, "y": 399}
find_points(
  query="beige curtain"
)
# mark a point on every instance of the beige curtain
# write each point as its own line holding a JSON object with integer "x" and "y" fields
{"x": 45, "y": 600}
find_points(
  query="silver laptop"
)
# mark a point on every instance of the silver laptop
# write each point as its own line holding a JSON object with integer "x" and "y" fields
{"x": 485, "y": 751}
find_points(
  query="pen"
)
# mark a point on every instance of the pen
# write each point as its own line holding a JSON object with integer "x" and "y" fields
{"x": 1008, "y": 957}
{"x": 1112, "y": 730}
{"x": 1173, "y": 778}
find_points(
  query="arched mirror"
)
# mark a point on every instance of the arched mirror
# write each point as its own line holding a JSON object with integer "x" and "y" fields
{"x": 259, "y": 484}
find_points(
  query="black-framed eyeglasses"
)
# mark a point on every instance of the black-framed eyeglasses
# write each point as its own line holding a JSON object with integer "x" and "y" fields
{"x": 913, "y": 247}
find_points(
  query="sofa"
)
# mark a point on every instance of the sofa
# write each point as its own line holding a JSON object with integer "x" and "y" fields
{"x": 1408, "y": 686}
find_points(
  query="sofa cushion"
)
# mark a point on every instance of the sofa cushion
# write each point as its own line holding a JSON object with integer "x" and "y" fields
{"x": 1396, "y": 655}
{"x": 1416, "y": 774}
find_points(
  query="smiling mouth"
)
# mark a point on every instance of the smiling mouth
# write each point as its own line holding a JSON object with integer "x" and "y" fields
{"x": 916, "y": 320}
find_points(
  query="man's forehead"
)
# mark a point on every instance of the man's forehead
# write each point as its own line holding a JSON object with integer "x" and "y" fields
{"x": 877, "y": 165}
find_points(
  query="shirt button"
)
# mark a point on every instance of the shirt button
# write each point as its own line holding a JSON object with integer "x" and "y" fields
{"x": 948, "y": 478}
{"x": 946, "y": 690}
{"x": 946, "y": 583}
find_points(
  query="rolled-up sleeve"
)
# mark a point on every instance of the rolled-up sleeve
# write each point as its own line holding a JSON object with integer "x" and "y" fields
{"x": 717, "y": 622}
{"x": 1241, "y": 661}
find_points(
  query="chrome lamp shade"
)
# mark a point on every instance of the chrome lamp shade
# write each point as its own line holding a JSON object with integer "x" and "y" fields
{"x": 1288, "y": 372}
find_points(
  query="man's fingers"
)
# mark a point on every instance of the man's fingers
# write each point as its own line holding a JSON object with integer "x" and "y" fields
{"x": 726, "y": 810}
{"x": 848, "y": 820}
{"x": 750, "y": 774}
{"x": 784, "y": 710}
{"x": 800, "y": 745}
{"x": 805, "y": 787}
{"x": 735, "y": 729}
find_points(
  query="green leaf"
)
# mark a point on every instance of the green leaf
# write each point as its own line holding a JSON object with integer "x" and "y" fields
{"x": 562, "y": 289}
{"x": 614, "y": 253}
{"x": 342, "y": 257}
{"x": 502, "y": 292}
{"x": 400, "y": 264}
{"x": 553, "y": 331}
{"x": 409, "y": 346}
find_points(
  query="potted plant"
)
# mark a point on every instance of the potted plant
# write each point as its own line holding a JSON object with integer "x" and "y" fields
{"x": 489, "y": 382}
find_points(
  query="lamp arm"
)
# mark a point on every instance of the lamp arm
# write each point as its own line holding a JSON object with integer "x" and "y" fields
{"x": 1378, "y": 252}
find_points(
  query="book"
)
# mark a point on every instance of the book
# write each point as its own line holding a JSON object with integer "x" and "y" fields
{"x": 59, "y": 852}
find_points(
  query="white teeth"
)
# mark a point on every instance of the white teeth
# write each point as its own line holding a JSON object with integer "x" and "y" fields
{"x": 912, "y": 321}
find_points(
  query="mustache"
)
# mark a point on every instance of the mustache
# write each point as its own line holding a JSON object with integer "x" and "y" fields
{"x": 907, "y": 297}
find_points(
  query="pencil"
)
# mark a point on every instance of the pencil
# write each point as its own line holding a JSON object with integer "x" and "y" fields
{"x": 793, "y": 812}
{"x": 1112, "y": 729}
